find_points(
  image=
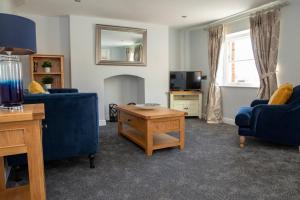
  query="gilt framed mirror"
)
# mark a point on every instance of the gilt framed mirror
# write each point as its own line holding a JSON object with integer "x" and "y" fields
{"x": 117, "y": 45}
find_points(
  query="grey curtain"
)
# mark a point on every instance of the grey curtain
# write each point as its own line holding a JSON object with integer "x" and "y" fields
{"x": 138, "y": 53}
{"x": 130, "y": 54}
{"x": 214, "y": 104}
{"x": 265, "y": 28}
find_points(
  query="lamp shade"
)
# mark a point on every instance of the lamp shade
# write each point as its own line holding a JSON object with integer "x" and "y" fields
{"x": 17, "y": 35}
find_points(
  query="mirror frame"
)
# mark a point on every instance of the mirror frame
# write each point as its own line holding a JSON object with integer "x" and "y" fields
{"x": 100, "y": 27}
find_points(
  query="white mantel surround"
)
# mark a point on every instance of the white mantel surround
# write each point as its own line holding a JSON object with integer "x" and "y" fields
{"x": 89, "y": 77}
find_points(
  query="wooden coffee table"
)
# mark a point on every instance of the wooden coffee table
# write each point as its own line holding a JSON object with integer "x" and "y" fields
{"x": 149, "y": 128}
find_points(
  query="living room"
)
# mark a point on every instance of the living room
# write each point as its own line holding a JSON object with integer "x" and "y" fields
{"x": 212, "y": 88}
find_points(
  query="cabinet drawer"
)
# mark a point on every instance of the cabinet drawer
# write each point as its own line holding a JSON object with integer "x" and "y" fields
{"x": 133, "y": 121}
{"x": 12, "y": 138}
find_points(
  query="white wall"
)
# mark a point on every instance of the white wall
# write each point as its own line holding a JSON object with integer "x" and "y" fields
{"x": 233, "y": 98}
{"x": 5, "y": 6}
{"x": 89, "y": 77}
{"x": 52, "y": 37}
{"x": 189, "y": 52}
{"x": 289, "y": 56}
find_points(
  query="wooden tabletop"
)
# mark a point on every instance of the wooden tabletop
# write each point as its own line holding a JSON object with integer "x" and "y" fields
{"x": 156, "y": 113}
{"x": 30, "y": 112}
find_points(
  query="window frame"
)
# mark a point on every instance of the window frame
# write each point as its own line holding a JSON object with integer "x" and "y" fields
{"x": 224, "y": 63}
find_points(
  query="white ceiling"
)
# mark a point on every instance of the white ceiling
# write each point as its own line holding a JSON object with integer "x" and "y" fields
{"x": 167, "y": 12}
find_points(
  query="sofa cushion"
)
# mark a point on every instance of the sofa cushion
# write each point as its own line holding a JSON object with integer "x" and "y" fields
{"x": 281, "y": 95}
{"x": 63, "y": 90}
{"x": 296, "y": 95}
{"x": 36, "y": 88}
{"x": 243, "y": 117}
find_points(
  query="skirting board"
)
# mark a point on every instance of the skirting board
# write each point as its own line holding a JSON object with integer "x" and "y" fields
{"x": 228, "y": 121}
{"x": 102, "y": 123}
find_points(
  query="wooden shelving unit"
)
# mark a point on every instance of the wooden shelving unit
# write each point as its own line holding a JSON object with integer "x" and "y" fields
{"x": 57, "y": 69}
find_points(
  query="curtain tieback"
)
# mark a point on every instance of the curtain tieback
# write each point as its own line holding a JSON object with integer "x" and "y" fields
{"x": 267, "y": 75}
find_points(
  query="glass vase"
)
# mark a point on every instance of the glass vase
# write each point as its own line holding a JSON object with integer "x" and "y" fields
{"x": 11, "y": 83}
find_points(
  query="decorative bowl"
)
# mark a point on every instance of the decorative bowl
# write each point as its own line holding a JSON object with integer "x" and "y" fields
{"x": 148, "y": 106}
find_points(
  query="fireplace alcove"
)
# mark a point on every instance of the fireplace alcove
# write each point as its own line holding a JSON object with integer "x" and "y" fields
{"x": 123, "y": 89}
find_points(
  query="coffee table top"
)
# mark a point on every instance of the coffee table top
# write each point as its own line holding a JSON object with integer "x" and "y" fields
{"x": 156, "y": 113}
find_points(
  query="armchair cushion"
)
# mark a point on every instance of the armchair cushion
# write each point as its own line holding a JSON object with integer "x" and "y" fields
{"x": 243, "y": 117}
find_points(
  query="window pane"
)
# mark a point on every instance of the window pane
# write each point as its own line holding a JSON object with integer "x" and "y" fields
{"x": 246, "y": 72}
{"x": 239, "y": 65}
{"x": 242, "y": 49}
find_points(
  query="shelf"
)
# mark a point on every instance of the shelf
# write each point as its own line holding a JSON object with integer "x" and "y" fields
{"x": 191, "y": 92}
{"x": 135, "y": 136}
{"x": 46, "y": 56}
{"x": 160, "y": 141}
{"x": 18, "y": 193}
{"x": 45, "y": 73}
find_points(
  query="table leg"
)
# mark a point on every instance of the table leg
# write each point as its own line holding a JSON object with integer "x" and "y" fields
{"x": 182, "y": 127}
{"x": 2, "y": 175}
{"x": 120, "y": 127}
{"x": 149, "y": 140}
{"x": 35, "y": 162}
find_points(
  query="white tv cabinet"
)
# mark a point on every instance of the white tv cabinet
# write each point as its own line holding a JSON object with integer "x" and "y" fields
{"x": 187, "y": 101}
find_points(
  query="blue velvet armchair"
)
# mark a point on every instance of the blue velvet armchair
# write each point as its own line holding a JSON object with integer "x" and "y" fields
{"x": 71, "y": 125}
{"x": 274, "y": 123}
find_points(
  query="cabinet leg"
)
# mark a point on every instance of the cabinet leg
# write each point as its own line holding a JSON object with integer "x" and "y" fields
{"x": 2, "y": 175}
{"x": 149, "y": 140}
{"x": 92, "y": 161}
{"x": 242, "y": 141}
{"x": 181, "y": 139}
{"x": 120, "y": 128}
{"x": 35, "y": 162}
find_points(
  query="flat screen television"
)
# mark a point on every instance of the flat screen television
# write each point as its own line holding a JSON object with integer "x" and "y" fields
{"x": 185, "y": 80}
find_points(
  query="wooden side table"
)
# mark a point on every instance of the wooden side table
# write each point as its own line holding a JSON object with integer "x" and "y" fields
{"x": 20, "y": 132}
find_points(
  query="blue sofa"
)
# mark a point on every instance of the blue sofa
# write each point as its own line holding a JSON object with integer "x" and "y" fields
{"x": 71, "y": 125}
{"x": 274, "y": 123}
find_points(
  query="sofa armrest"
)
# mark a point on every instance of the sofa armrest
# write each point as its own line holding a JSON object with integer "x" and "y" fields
{"x": 268, "y": 116}
{"x": 63, "y": 90}
{"x": 278, "y": 123}
{"x": 259, "y": 102}
{"x": 268, "y": 111}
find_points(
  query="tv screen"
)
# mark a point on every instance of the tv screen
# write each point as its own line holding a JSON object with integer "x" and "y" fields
{"x": 185, "y": 80}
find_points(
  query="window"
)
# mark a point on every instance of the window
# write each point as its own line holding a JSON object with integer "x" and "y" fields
{"x": 239, "y": 64}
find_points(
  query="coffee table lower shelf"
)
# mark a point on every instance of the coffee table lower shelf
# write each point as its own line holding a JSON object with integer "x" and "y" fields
{"x": 160, "y": 141}
{"x": 18, "y": 193}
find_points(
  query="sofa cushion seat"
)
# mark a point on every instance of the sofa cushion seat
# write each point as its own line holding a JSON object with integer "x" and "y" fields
{"x": 243, "y": 117}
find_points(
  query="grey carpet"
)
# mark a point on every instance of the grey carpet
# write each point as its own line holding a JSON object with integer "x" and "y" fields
{"x": 212, "y": 166}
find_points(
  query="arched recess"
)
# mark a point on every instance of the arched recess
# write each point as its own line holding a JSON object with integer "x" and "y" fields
{"x": 123, "y": 89}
